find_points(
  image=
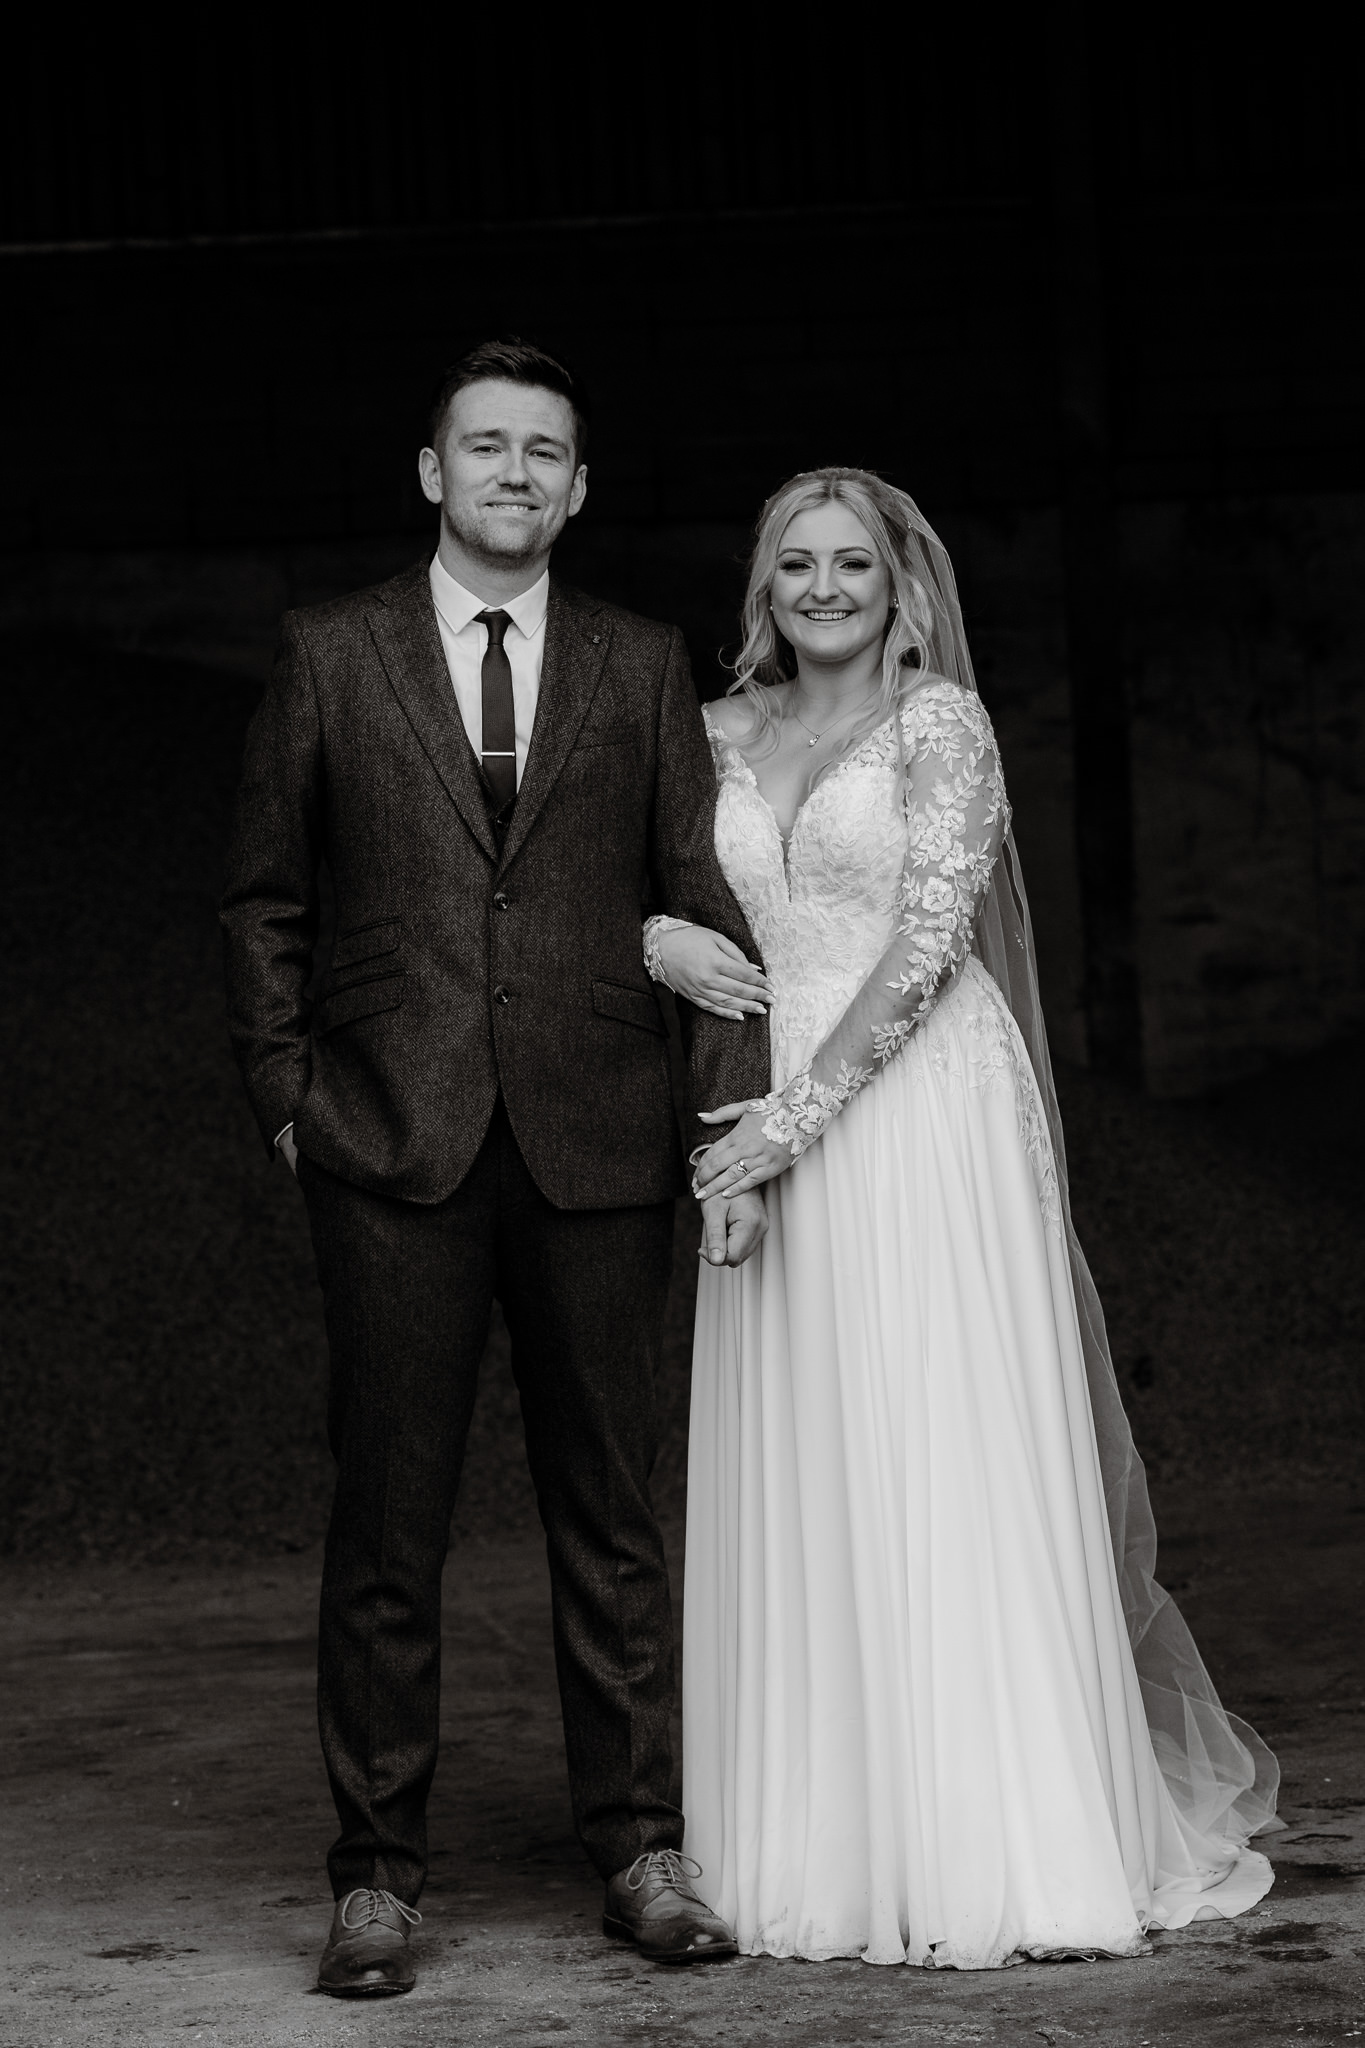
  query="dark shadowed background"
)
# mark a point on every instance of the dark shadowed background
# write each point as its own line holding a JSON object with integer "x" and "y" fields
{"x": 1090, "y": 294}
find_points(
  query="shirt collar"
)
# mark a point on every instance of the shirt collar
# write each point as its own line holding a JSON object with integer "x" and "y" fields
{"x": 459, "y": 606}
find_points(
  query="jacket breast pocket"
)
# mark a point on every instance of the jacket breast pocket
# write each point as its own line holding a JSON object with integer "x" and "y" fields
{"x": 628, "y": 1006}
{"x": 620, "y": 733}
{"x": 367, "y": 942}
{"x": 358, "y": 999}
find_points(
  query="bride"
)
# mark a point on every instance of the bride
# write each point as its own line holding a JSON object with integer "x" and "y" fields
{"x": 936, "y": 1709}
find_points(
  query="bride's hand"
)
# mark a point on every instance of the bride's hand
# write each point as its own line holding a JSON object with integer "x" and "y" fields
{"x": 717, "y": 1171}
{"x": 712, "y": 973}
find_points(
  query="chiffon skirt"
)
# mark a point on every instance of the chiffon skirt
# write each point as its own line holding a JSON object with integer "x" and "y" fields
{"x": 913, "y": 1730}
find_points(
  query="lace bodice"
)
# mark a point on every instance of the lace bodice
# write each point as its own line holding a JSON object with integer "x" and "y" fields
{"x": 868, "y": 913}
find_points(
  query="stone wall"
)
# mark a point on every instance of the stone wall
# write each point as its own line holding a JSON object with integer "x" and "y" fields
{"x": 1248, "y": 689}
{"x": 1246, "y": 658}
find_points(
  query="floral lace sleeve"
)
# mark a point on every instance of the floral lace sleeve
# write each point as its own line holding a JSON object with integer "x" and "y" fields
{"x": 956, "y": 816}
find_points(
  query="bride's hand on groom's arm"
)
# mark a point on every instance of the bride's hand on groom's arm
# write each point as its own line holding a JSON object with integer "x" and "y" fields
{"x": 712, "y": 973}
{"x": 718, "y": 1170}
{"x": 732, "y": 1229}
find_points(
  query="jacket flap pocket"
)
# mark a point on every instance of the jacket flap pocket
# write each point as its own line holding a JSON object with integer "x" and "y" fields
{"x": 358, "y": 999}
{"x": 367, "y": 942}
{"x": 629, "y": 1005}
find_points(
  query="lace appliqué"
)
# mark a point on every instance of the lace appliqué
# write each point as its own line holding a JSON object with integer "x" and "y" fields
{"x": 1034, "y": 1133}
{"x": 798, "y": 1113}
{"x": 655, "y": 929}
{"x": 866, "y": 928}
{"x": 982, "y": 1048}
{"x": 946, "y": 876}
{"x": 955, "y": 816}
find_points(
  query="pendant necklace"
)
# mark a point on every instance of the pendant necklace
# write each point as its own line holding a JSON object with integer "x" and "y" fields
{"x": 818, "y": 736}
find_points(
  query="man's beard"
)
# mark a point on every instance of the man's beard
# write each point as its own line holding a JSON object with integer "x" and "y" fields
{"x": 494, "y": 540}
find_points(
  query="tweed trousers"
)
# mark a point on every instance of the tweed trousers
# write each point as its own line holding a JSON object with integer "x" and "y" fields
{"x": 408, "y": 1290}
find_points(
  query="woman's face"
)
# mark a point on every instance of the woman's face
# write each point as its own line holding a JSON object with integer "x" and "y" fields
{"x": 831, "y": 591}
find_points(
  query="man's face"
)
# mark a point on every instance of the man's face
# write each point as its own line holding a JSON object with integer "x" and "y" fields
{"x": 507, "y": 480}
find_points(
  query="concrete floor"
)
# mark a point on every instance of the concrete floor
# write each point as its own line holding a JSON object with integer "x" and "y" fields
{"x": 166, "y": 1815}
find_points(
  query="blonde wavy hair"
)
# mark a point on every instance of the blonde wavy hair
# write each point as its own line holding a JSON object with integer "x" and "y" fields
{"x": 766, "y": 658}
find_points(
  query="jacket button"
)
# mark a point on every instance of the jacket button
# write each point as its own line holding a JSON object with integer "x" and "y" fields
{"x": 501, "y": 994}
{"x": 501, "y": 899}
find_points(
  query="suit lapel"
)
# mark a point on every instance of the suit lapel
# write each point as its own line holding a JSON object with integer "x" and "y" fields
{"x": 407, "y": 639}
{"x": 575, "y": 650}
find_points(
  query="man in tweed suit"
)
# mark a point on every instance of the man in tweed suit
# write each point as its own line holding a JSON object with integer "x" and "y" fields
{"x": 496, "y": 771}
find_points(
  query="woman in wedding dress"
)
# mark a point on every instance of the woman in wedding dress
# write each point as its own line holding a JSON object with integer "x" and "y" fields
{"x": 936, "y": 1709}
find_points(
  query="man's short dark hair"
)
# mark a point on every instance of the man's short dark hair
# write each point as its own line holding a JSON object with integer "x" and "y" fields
{"x": 510, "y": 361}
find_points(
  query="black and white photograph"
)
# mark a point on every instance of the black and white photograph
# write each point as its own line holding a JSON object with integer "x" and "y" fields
{"x": 684, "y": 808}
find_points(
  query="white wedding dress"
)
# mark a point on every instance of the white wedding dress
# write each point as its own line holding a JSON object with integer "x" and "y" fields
{"x": 913, "y": 1727}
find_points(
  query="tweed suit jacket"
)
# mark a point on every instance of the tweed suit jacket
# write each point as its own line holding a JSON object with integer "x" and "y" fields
{"x": 461, "y": 966}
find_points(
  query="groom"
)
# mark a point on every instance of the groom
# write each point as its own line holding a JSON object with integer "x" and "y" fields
{"x": 474, "y": 1094}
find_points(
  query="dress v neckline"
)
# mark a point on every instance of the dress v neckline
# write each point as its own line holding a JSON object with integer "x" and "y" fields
{"x": 784, "y": 840}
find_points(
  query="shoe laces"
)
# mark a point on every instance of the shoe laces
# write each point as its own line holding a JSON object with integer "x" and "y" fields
{"x": 670, "y": 1866}
{"x": 369, "y": 1905}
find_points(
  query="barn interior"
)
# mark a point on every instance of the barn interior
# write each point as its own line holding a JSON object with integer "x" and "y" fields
{"x": 1090, "y": 291}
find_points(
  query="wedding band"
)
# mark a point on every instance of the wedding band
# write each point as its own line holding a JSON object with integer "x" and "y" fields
{"x": 741, "y": 1167}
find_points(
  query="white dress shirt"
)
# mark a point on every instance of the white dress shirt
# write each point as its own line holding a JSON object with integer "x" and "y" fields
{"x": 465, "y": 643}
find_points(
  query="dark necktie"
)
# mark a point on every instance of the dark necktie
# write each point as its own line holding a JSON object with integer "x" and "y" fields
{"x": 499, "y": 713}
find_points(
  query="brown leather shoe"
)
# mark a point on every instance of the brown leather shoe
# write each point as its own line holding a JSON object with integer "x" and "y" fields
{"x": 367, "y": 1950}
{"x": 653, "y": 1905}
